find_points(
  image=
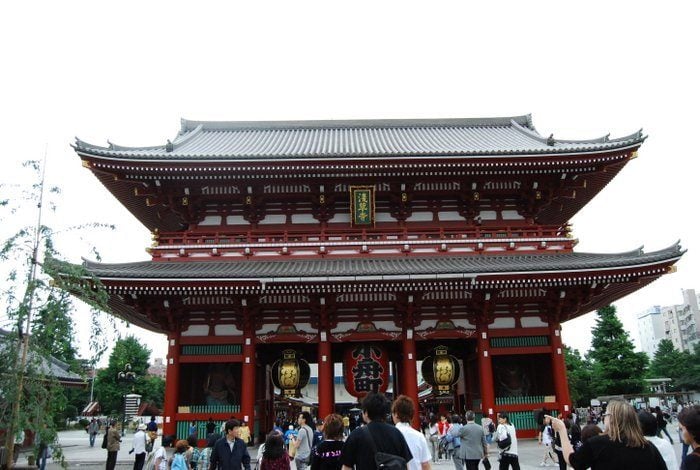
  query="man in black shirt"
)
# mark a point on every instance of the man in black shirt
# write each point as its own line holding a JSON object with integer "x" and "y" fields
{"x": 358, "y": 451}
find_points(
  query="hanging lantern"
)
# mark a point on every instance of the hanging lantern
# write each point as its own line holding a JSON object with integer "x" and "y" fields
{"x": 441, "y": 370}
{"x": 290, "y": 374}
{"x": 365, "y": 369}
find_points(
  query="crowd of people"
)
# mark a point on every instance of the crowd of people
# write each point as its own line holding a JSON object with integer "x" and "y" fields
{"x": 624, "y": 438}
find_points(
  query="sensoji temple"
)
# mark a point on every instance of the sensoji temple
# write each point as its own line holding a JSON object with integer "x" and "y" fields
{"x": 378, "y": 244}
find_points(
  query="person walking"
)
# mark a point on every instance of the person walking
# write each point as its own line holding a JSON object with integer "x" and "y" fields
{"x": 275, "y": 456}
{"x": 326, "y": 455}
{"x": 364, "y": 442}
{"x": 473, "y": 447}
{"x": 402, "y": 411}
{"x": 661, "y": 423}
{"x": 545, "y": 438}
{"x": 302, "y": 443}
{"x": 508, "y": 451}
{"x": 434, "y": 437}
{"x": 92, "y": 429}
{"x": 622, "y": 445}
{"x": 650, "y": 430}
{"x": 689, "y": 421}
{"x": 230, "y": 452}
{"x": 114, "y": 439}
{"x": 139, "y": 446}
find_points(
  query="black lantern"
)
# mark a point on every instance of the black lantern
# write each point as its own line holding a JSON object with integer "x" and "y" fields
{"x": 441, "y": 370}
{"x": 290, "y": 374}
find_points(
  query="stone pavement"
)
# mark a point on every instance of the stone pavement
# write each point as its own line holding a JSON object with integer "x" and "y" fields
{"x": 79, "y": 454}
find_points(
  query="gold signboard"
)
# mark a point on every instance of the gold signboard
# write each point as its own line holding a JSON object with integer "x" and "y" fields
{"x": 362, "y": 205}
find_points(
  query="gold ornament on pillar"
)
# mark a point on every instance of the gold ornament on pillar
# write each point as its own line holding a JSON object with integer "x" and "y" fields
{"x": 441, "y": 370}
{"x": 290, "y": 374}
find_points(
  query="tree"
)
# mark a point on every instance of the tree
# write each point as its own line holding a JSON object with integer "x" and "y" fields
{"x": 35, "y": 305}
{"x": 109, "y": 391}
{"x": 616, "y": 368}
{"x": 578, "y": 372}
{"x": 670, "y": 362}
{"x": 689, "y": 378}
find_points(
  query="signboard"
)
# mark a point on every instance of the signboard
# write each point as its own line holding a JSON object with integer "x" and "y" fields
{"x": 362, "y": 205}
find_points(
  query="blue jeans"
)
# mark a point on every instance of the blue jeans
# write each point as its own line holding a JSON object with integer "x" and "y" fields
{"x": 92, "y": 439}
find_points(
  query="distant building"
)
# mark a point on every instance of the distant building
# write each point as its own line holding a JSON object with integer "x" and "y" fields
{"x": 678, "y": 323}
{"x": 651, "y": 329}
{"x": 158, "y": 368}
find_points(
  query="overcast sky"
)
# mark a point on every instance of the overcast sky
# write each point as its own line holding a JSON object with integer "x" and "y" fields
{"x": 128, "y": 72}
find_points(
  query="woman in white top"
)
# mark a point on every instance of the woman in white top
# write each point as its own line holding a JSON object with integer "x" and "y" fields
{"x": 509, "y": 454}
{"x": 433, "y": 436}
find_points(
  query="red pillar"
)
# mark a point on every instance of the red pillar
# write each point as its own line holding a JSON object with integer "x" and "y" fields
{"x": 248, "y": 379}
{"x": 561, "y": 386}
{"x": 488, "y": 396}
{"x": 172, "y": 381}
{"x": 326, "y": 379}
{"x": 409, "y": 375}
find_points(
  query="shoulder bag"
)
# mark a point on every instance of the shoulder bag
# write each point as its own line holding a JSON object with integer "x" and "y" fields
{"x": 384, "y": 460}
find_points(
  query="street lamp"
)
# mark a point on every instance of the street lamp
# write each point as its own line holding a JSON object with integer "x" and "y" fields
{"x": 125, "y": 376}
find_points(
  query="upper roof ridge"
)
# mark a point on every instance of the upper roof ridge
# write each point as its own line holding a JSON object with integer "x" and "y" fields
{"x": 190, "y": 125}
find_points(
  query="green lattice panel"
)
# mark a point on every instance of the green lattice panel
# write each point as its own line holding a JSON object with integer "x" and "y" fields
{"x": 519, "y": 341}
{"x": 519, "y": 400}
{"x": 210, "y": 349}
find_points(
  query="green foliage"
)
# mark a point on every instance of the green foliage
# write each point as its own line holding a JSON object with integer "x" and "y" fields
{"x": 578, "y": 372}
{"x": 109, "y": 391}
{"x": 34, "y": 303}
{"x": 670, "y": 362}
{"x": 616, "y": 368}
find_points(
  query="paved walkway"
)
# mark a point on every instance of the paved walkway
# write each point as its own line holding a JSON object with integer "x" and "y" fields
{"x": 79, "y": 454}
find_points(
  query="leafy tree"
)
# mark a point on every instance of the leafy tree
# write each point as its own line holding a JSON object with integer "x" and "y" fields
{"x": 670, "y": 362}
{"x": 109, "y": 391}
{"x": 578, "y": 372}
{"x": 616, "y": 368}
{"x": 35, "y": 305}
{"x": 689, "y": 377}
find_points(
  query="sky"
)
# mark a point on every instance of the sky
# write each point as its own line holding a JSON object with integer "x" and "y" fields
{"x": 128, "y": 71}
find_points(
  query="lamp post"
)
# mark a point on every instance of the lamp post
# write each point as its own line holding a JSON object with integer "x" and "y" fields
{"x": 125, "y": 376}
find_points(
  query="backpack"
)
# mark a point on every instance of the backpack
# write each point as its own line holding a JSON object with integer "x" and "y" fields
{"x": 104, "y": 439}
{"x": 178, "y": 462}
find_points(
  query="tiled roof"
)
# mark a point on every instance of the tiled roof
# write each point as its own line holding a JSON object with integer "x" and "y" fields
{"x": 48, "y": 365}
{"x": 335, "y": 269}
{"x": 278, "y": 140}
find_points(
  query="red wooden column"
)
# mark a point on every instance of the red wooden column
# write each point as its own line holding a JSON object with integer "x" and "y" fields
{"x": 172, "y": 381}
{"x": 248, "y": 372}
{"x": 561, "y": 386}
{"x": 326, "y": 379}
{"x": 483, "y": 350}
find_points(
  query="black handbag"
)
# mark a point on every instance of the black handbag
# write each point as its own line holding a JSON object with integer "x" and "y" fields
{"x": 505, "y": 443}
{"x": 384, "y": 460}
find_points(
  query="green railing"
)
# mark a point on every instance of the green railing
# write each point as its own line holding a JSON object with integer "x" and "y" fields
{"x": 519, "y": 400}
{"x": 210, "y": 349}
{"x": 209, "y": 409}
{"x": 524, "y": 419}
{"x": 183, "y": 427}
{"x": 519, "y": 342}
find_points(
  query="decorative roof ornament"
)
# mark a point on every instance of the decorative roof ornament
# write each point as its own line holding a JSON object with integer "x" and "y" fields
{"x": 550, "y": 140}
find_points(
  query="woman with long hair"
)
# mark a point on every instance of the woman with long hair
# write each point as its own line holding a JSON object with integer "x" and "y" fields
{"x": 326, "y": 455}
{"x": 274, "y": 457}
{"x": 508, "y": 453}
{"x": 622, "y": 445}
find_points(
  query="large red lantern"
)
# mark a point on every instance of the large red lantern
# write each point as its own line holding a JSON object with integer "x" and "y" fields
{"x": 441, "y": 371}
{"x": 290, "y": 374}
{"x": 365, "y": 369}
